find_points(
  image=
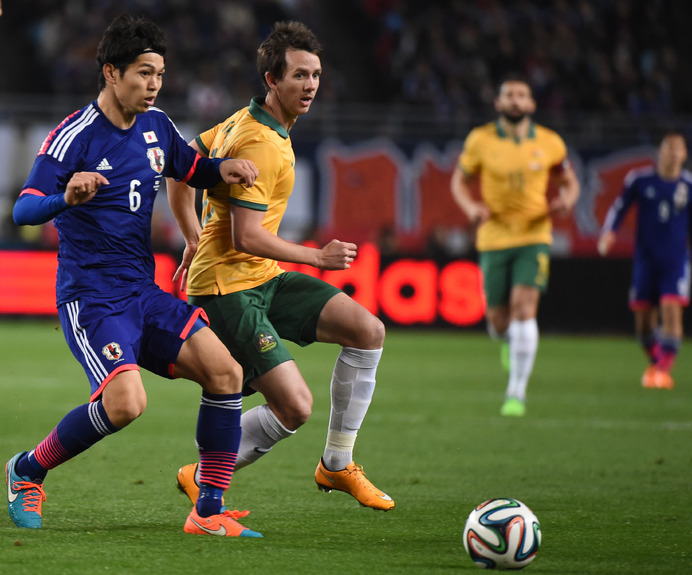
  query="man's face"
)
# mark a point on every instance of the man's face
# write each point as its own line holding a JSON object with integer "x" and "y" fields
{"x": 672, "y": 153}
{"x": 297, "y": 89}
{"x": 514, "y": 102}
{"x": 137, "y": 88}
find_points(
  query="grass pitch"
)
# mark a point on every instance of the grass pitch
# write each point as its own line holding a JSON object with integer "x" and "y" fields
{"x": 603, "y": 463}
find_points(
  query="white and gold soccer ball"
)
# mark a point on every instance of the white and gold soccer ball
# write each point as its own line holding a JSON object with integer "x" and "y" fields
{"x": 502, "y": 534}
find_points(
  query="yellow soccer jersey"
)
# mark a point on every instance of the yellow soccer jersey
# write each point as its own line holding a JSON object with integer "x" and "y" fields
{"x": 253, "y": 134}
{"x": 514, "y": 182}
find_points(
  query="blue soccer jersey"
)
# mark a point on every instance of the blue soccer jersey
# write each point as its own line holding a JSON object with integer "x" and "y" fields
{"x": 105, "y": 243}
{"x": 661, "y": 253}
{"x": 663, "y": 214}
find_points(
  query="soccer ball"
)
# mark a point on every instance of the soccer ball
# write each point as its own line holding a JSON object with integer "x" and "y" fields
{"x": 502, "y": 534}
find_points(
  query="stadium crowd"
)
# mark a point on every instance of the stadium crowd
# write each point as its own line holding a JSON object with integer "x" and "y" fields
{"x": 591, "y": 55}
{"x": 587, "y": 55}
{"x": 616, "y": 57}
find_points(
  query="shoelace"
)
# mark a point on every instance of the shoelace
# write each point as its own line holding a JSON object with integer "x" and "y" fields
{"x": 364, "y": 481}
{"x": 32, "y": 497}
{"x": 226, "y": 518}
{"x": 235, "y": 514}
{"x": 359, "y": 474}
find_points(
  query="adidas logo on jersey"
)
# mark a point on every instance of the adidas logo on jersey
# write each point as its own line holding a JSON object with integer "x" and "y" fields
{"x": 104, "y": 165}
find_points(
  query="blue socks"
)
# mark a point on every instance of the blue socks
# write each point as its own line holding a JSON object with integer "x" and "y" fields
{"x": 76, "y": 432}
{"x": 218, "y": 438}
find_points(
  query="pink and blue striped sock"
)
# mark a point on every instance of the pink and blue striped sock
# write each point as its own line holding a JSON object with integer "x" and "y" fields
{"x": 76, "y": 432}
{"x": 218, "y": 439}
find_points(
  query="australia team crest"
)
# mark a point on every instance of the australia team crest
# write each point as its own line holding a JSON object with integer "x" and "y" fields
{"x": 156, "y": 159}
{"x": 265, "y": 342}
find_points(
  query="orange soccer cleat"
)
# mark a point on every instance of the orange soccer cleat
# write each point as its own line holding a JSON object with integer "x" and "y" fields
{"x": 186, "y": 482}
{"x": 221, "y": 525}
{"x": 352, "y": 480}
{"x": 655, "y": 378}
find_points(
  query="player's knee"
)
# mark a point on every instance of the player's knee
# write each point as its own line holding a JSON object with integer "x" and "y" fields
{"x": 300, "y": 413}
{"x": 294, "y": 414}
{"x": 235, "y": 375}
{"x": 126, "y": 409}
{"x": 228, "y": 380}
{"x": 299, "y": 418}
{"x": 498, "y": 323}
{"x": 370, "y": 335}
{"x": 377, "y": 333}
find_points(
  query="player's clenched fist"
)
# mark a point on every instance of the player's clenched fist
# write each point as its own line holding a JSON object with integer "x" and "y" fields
{"x": 235, "y": 171}
{"x": 338, "y": 255}
{"x": 82, "y": 187}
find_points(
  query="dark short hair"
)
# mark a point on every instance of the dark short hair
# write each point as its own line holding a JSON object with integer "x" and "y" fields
{"x": 671, "y": 134}
{"x": 285, "y": 36}
{"x": 124, "y": 40}
{"x": 513, "y": 77}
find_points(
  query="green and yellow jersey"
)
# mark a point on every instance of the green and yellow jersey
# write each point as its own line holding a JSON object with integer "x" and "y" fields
{"x": 514, "y": 178}
{"x": 252, "y": 134}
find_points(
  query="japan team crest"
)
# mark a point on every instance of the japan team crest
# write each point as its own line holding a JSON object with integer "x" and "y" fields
{"x": 156, "y": 159}
{"x": 680, "y": 196}
{"x": 112, "y": 351}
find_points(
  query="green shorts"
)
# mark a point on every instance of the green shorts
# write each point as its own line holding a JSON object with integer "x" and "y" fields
{"x": 503, "y": 269}
{"x": 252, "y": 323}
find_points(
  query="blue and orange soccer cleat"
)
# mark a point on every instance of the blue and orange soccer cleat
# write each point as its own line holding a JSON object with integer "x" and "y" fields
{"x": 24, "y": 498}
{"x": 221, "y": 525}
{"x": 187, "y": 485}
{"x": 352, "y": 480}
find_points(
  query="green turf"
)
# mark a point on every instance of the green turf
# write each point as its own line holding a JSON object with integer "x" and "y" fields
{"x": 604, "y": 464}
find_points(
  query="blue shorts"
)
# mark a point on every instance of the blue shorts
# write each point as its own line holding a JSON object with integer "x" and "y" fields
{"x": 654, "y": 282}
{"x": 145, "y": 329}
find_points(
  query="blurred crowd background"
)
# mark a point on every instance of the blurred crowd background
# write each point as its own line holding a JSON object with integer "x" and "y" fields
{"x": 620, "y": 56}
{"x": 405, "y": 74}
{"x": 404, "y": 81}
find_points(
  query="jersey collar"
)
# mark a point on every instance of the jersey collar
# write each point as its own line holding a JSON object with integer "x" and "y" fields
{"x": 502, "y": 134}
{"x": 264, "y": 117}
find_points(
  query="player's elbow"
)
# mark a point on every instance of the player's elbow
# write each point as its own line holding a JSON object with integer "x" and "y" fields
{"x": 245, "y": 243}
{"x": 18, "y": 219}
{"x": 21, "y": 214}
{"x": 240, "y": 243}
